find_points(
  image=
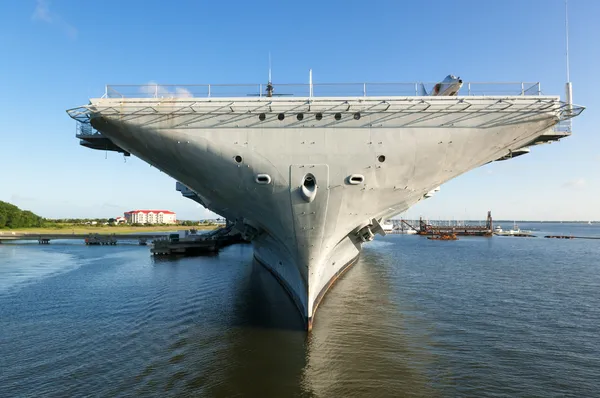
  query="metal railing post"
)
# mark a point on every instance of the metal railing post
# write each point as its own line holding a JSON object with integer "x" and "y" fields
{"x": 260, "y": 90}
{"x": 417, "y": 89}
{"x": 156, "y": 91}
{"x": 209, "y": 91}
{"x": 522, "y": 88}
{"x": 469, "y": 88}
{"x": 539, "y": 88}
{"x": 364, "y": 89}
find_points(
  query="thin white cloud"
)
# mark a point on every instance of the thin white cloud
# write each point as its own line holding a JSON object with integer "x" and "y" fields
{"x": 576, "y": 183}
{"x": 42, "y": 13}
{"x": 152, "y": 89}
{"x": 149, "y": 88}
{"x": 182, "y": 93}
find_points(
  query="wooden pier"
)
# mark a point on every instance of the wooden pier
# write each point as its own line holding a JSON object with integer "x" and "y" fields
{"x": 186, "y": 242}
{"x": 89, "y": 239}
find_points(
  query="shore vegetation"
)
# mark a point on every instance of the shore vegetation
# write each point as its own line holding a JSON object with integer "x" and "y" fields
{"x": 13, "y": 219}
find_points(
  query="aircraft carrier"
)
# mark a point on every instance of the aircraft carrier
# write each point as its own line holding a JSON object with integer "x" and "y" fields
{"x": 310, "y": 176}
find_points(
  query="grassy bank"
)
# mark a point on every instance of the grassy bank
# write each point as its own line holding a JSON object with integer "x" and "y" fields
{"x": 104, "y": 229}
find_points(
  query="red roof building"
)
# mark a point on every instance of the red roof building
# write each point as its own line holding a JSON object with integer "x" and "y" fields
{"x": 150, "y": 217}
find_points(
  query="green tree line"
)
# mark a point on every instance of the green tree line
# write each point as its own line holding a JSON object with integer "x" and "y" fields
{"x": 13, "y": 217}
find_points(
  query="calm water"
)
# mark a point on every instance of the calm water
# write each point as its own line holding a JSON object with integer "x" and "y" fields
{"x": 477, "y": 317}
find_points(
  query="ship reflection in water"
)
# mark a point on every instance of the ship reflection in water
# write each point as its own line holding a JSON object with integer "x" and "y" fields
{"x": 414, "y": 317}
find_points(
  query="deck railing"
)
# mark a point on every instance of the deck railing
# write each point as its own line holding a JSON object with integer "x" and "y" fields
{"x": 313, "y": 90}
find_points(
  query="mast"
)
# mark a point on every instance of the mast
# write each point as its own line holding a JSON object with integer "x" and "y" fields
{"x": 269, "y": 83}
{"x": 568, "y": 86}
{"x": 567, "y": 38}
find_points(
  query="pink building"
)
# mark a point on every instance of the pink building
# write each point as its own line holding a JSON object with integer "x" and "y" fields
{"x": 150, "y": 217}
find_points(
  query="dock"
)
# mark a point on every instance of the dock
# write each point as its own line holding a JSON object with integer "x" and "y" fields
{"x": 190, "y": 243}
{"x": 184, "y": 242}
{"x": 89, "y": 239}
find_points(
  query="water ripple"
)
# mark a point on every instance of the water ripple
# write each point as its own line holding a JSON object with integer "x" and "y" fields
{"x": 475, "y": 317}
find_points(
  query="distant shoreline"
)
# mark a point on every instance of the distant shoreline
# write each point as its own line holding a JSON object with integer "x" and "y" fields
{"x": 502, "y": 221}
{"x": 106, "y": 229}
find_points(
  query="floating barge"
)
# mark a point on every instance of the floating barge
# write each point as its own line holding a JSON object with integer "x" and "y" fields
{"x": 443, "y": 237}
{"x": 97, "y": 240}
{"x": 458, "y": 230}
{"x": 190, "y": 243}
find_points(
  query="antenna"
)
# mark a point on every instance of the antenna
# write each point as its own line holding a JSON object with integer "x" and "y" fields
{"x": 567, "y": 37}
{"x": 568, "y": 86}
{"x": 269, "y": 83}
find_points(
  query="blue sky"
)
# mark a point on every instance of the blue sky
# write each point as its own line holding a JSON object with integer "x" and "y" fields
{"x": 54, "y": 55}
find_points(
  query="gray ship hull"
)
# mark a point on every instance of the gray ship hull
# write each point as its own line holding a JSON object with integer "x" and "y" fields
{"x": 309, "y": 193}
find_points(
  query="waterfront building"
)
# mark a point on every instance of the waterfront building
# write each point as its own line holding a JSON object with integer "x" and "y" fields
{"x": 150, "y": 217}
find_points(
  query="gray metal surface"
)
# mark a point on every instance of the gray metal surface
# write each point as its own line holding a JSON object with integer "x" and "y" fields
{"x": 369, "y": 158}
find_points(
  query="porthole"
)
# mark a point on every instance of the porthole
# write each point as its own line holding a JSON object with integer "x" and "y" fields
{"x": 319, "y": 116}
{"x": 281, "y": 116}
{"x": 262, "y": 117}
{"x": 357, "y": 116}
{"x": 381, "y": 158}
{"x": 238, "y": 159}
{"x": 263, "y": 179}
{"x": 356, "y": 179}
{"x": 338, "y": 116}
{"x": 300, "y": 116}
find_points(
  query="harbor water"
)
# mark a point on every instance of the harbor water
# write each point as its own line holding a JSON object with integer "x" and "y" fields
{"x": 478, "y": 317}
